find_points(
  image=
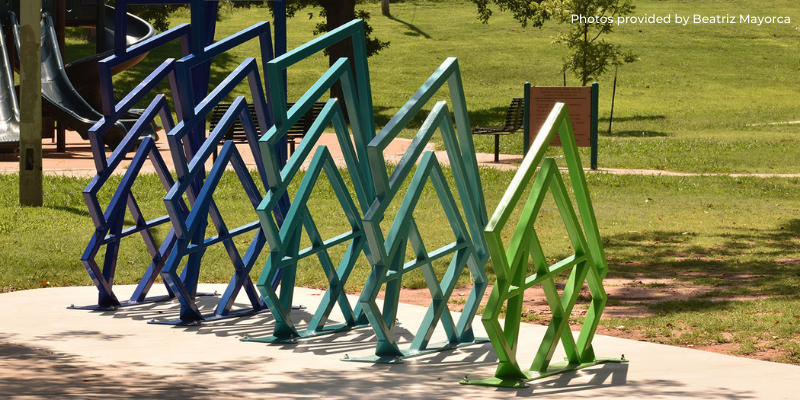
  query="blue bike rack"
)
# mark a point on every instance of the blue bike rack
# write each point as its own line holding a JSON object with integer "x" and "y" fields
{"x": 188, "y": 79}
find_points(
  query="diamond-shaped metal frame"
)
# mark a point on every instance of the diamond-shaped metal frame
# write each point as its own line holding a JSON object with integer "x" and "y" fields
{"x": 109, "y": 230}
{"x": 284, "y": 242}
{"x": 588, "y": 264}
{"x": 387, "y": 255}
{"x": 191, "y": 229}
{"x": 287, "y": 253}
{"x": 109, "y": 224}
{"x": 392, "y": 268}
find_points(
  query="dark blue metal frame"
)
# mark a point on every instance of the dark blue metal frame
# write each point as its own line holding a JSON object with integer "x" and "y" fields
{"x": 196, "y": 44}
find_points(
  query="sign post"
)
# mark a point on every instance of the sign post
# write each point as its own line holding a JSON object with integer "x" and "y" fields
{"x": 30, "y": 143}
{"x": 581, "y": 103}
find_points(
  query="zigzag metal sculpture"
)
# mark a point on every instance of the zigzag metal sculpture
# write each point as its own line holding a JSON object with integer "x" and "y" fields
{"x": 374, "y": 190}
{"x": 387, "y": 256}
{"x": 284, "y": 242}
{"x": 188, "y": 79}
{"x": 109, "y": 223}
{"x": 588, "y": 264}
{"x": 191, "y": 228}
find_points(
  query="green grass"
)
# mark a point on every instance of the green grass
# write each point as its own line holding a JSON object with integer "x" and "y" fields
{"x": 751, "y": 326}
{"x": 684, "y": 106}
{"x": 652, "y": 227}
{"x": 738, "y": 236}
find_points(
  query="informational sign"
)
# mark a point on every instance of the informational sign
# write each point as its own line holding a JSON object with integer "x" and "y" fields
{"x": 579, "y": 104}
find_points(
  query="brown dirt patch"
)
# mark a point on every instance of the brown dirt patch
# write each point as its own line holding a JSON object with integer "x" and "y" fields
{"x": 628, "y": 298}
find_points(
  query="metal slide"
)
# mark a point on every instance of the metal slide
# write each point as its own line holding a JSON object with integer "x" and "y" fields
{"x": 9, "y": 106}
{"x": 62, "y": 100}
{"x": 83, "y": 73}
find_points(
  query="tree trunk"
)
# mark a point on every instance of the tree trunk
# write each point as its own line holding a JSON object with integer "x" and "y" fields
{"x": 339, "y": 12}
{"x": 385, "y": 8}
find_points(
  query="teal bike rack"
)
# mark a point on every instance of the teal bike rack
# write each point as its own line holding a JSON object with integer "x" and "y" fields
{"x": 374, "y": 190}
{"x": 284, "y": 242}
{"x": 387, "y": 255}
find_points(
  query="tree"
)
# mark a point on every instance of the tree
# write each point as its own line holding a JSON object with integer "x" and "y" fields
{"x": 385, "y": 8}
{"x": 589, "y": 54}
{"x": 336, "y": 14}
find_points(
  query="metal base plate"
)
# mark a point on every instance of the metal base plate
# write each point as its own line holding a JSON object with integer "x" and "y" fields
{"x": 206, "y": 318}
{"x": 129, "y": 303}
{"x": 306, "y": 334}
{"x": 214, "y": 317}
{"x": 554, "y": 369}
{"x": 432, "y": 348}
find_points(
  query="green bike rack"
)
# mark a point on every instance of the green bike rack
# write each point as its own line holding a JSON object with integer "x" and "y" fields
{"x": 588, "y": 264}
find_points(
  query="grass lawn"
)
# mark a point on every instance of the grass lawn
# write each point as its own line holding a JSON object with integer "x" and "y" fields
{"x": 735, "y": 237}
{"x": 686, "y": 105}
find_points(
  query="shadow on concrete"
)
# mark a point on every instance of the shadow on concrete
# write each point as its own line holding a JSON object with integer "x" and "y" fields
{"x": 28, "y": 372}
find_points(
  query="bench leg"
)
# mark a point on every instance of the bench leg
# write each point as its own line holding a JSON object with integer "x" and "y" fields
{"x": 291, "y": 147}
{"x": 61, "y": 138}
{"x": 497, "y": 148}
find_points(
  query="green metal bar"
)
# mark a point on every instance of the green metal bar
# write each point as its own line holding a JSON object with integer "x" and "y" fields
{"x": 587, "y": 264}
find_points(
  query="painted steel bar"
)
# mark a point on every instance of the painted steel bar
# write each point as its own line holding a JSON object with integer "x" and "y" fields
{"x": 387, "y": 255}
{"x": 284, "y": 242}
{"x": 108, "y": 224}
{"x": 109, "y": 230}
{"x": 114, "y": 215}
{"x": 191, "y": 229}
{"x": 449, "y": 73}
{"x": 106, "y": 66}
{"x": 587, "y": 265}
{"x": 594, "y": 125}
{"x": 363, "y": 125}
{"x": 202, "y": 209}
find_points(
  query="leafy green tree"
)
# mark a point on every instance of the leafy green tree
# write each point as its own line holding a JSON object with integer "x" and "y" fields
{"x": 157, "y": 15}
{"x": 336, "y": 14}
{"x": 590, "y": 55}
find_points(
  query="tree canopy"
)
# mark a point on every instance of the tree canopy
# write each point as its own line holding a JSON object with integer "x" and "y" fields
{"x": 589, "y": 54}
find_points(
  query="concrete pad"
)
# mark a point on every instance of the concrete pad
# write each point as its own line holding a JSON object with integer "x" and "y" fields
{"x": 48, "y": 351}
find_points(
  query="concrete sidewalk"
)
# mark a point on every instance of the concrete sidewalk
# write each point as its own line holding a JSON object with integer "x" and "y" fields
{"x": 48, "y": 351}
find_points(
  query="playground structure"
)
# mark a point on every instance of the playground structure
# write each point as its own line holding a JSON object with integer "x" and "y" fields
{"x": 281, "y": 217}
{"x": 70, "y": 92}
{"x": 9, "y": 105}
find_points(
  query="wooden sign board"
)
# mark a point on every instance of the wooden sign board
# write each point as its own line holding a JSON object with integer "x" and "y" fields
{"x": 579, "y": 104}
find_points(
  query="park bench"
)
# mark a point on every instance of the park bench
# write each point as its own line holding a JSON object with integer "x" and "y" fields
{"x": 513, "y": 123}
{"x": 294, "y": 136}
